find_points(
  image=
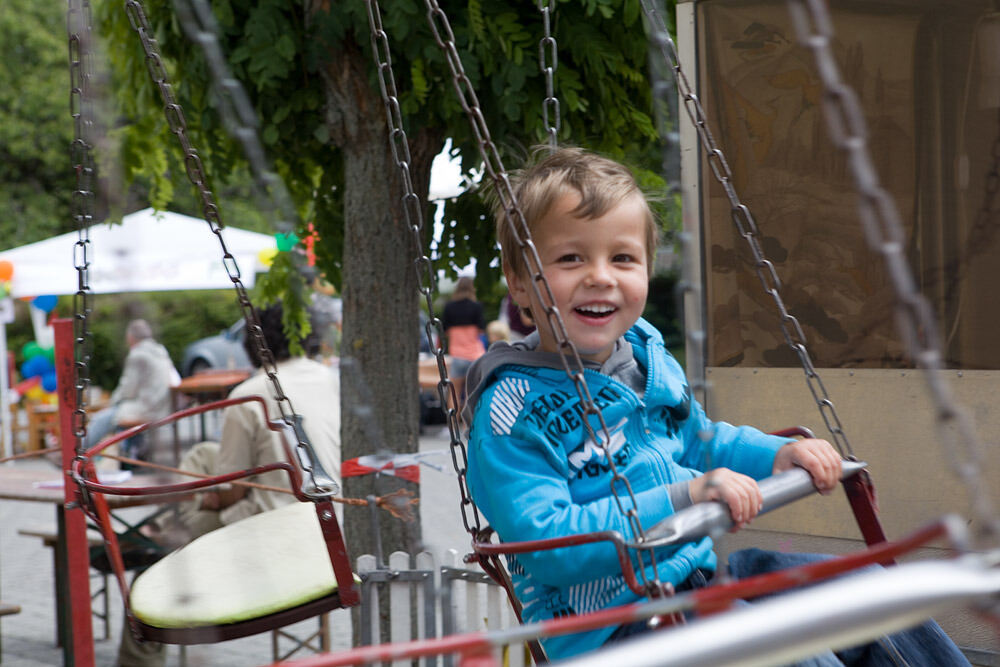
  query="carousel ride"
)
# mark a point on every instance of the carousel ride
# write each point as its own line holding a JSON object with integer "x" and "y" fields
{"x": 834, "y": 614}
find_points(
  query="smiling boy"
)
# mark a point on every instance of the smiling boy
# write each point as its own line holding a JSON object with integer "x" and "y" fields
{"x": 534, "y": 471}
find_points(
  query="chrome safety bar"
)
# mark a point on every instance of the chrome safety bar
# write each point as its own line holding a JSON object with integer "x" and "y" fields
{"x": 713, "y": 518}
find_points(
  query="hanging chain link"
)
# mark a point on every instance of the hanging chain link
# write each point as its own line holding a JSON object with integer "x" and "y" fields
{"x": 747, "y": 228}
{"x": 414, "y": 216}
{"x": 984, "y": 228}
{"x": 78, "y": 24}
{"x": 233, "y": 104}
{"x": 621, "y": 489}
{"x": 666, "y": 109}
{"x": 548, "y": 61}
{"x": 210, "y": 210}
{"x": 884, "y": 230}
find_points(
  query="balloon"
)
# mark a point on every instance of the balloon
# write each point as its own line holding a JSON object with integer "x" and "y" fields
{"x": 49, "y": 352}
{"x": 6, "y": 270}
{"x": 35, "y": 393}
{"x": 39, "y": 365}
{"x": 286, "y": 241}
{"x": 4, "y": 289}
{"x": 266, "y": 256}
{"x": 49, "y": 381}
{"x": 31, "y": 350}
{"x": 45, "y": 303}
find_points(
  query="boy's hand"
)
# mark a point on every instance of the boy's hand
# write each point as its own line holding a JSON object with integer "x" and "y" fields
{"x": 817, "y": 456}
{"x": 739, "y": 492}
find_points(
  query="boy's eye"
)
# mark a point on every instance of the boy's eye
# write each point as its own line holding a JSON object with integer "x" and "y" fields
{"x": 569, "y": 257}
{"x": 623, "y": 258}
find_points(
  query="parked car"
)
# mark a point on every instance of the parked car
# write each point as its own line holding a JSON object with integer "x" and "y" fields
{"x": 222, "y": 351}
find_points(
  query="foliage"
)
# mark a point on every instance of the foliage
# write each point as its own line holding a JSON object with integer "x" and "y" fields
{"x": 177, "y": 318}
{"x": 35, "y": 170}
{"x": 279, "y": 53}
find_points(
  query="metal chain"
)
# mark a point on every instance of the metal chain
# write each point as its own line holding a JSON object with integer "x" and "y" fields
{"x": 747, "y": 228}
{"x": 884, "y": 230}
{"x": 666, "y": 108}
{"x": 548, "y": 61}
{"x": 621, "y": 489}
{"x": 233, "y": 104}
{"x": 212, "y": 215}
{"x": 983, "y": 228}
{"x": 78, "y": 24}
{"x": 413, "y": 213}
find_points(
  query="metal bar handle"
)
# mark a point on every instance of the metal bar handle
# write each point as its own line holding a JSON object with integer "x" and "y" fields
{"x": 706, "y": 519}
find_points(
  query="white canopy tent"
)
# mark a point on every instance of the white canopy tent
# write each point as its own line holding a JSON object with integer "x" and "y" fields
{"x": 149, "y": 251}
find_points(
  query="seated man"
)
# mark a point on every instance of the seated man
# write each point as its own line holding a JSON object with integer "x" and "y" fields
{"x": 143, "y": 392}
{"x": 247, "y": 442}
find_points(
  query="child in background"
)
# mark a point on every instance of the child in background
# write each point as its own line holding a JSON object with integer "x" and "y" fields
{"x": 497, "y": 331}
{"x": 533, "y": 470}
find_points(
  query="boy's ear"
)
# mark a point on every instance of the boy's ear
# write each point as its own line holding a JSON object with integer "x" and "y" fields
{"x": 518, "y": 287}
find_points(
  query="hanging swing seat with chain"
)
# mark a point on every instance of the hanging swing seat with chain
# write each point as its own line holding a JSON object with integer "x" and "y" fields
{"x": 263, "y": 572}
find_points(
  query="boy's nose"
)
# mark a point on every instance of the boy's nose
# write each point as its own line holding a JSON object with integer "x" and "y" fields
{"x": 600, "y": 275}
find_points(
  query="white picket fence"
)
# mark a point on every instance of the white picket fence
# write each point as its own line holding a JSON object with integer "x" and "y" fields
{"x": 429, "y": 599}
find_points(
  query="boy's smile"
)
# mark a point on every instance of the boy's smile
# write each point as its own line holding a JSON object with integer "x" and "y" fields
{"x": 597, "y": 271}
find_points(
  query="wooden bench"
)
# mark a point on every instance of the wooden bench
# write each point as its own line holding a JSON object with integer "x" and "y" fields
{"x": 49, "y": 537}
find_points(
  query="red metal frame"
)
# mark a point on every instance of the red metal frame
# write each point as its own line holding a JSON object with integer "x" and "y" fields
{"x": 87, "y": 498}
{"x": 79, "y": 648}
{"x": 474, "y": 649}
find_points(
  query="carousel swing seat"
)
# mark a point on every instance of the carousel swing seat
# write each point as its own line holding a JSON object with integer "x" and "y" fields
{"x": 258, "y": 574}
{"x": 227, "y": 583}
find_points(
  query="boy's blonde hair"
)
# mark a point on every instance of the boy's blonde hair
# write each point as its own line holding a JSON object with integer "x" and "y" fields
{"x": 601, "y": 183}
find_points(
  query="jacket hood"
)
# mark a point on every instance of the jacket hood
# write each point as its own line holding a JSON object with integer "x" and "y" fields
{"x": 525, "y": 353}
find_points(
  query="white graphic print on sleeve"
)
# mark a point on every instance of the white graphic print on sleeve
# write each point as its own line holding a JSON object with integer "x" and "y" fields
{"x": 508, "y": 399}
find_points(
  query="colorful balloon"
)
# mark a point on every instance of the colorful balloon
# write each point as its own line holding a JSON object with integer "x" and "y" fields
{"x": 49, "y": 381}
{"x": 45, "y": 303}
{"x": 31, "y": 350}
{"x": 6, "y": 270}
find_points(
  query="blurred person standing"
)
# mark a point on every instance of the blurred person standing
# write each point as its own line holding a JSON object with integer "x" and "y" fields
{"x": 464, "y": 325}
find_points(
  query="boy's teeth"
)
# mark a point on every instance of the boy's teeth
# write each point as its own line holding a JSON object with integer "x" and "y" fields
{"x": 595, "y": 310}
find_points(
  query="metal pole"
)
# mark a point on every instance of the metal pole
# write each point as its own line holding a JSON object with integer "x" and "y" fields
{"x": 78, "y": 644}
{"x": 5, "y": 415}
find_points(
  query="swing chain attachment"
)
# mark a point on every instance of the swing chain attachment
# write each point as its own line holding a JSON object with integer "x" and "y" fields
{"x": 427, "y": 284}
{"x": 548, "y": 61}
{"x": 317, "y": 483}
{"x": 688, "y": 290}
{"x": 514, "y": 216}
{"x": 78, "y": 24}
{"x": 884, "y": 231}
{"x": 747, "y": 228}
{"x": 199, "y": 24}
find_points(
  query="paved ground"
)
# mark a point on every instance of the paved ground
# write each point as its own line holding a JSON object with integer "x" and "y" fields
{"x": 26, "y": 579}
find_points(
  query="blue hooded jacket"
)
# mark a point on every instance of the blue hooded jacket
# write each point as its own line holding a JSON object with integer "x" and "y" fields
{"x": 535, "y": 473}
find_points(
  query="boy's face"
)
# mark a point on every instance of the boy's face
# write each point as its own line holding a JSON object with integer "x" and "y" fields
{"x": 597, "y": 270}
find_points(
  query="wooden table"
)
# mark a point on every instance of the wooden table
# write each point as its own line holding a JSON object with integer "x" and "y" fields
{"x": 23, "y": 484}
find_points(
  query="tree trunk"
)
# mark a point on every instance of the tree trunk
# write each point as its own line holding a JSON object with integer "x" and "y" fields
{"x": 379, "y": 389}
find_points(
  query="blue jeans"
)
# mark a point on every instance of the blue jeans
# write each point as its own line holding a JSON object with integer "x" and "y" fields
{"x": 103, "y": 424}
{"x": 923, "y": 646}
